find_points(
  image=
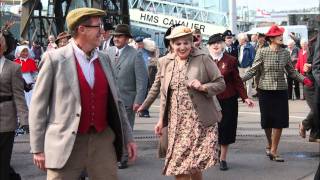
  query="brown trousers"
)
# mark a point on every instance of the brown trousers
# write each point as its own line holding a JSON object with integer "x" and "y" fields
{"x": 93, "y": 153}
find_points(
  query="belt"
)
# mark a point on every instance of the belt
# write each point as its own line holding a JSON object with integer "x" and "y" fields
{"x": 5, "y": 98}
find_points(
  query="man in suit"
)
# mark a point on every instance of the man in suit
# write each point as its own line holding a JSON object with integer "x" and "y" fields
{"x": 107, "y": 38}
{"x": 77, "y": 121}
{"x": 231, "y": 47}
{"x": 12, "y": 104}
{"x": 130, "y": 73}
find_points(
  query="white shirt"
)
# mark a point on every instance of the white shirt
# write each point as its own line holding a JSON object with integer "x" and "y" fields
{"x": 217, "y": 57}
{"x": 120, "y": 50}
{"x": 241, "y": 53}
{"x": 2, "y": 59}
{"x": 106, "y": 44}
{"x": 85, "y": 62}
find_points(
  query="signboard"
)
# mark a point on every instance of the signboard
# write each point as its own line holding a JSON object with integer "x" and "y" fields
{"x": 166, "y": 21}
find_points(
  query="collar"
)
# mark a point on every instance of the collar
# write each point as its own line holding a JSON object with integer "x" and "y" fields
{"x": 217, "y": 57}
{"x": 80, "y": 53}
{"x": 121, "y": 49}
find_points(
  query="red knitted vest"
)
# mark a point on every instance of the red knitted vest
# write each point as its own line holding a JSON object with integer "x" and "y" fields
{"x": 94, "y": 100}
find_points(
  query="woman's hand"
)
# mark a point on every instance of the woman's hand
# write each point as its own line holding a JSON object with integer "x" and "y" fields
{"x": 196, "y": 84}
{"x": 249, "y": 102}
{"x": 158, "y": 128}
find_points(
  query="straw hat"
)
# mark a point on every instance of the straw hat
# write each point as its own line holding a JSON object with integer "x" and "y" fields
{"x": 61, "y": 36}
{"x": 179, "y": 31}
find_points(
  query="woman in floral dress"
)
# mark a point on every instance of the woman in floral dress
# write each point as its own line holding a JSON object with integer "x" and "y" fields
{"x": 189, "y": 81}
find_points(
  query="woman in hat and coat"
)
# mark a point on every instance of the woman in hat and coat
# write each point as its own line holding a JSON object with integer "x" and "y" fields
{"x": 228, "y": 99}
{"x": 273, "y": 63}
{"x": 189, "y": 81}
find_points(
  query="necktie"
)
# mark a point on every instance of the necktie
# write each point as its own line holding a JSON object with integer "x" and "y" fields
{"x": 229, "y": 50}
{"x": 116, "y": 58}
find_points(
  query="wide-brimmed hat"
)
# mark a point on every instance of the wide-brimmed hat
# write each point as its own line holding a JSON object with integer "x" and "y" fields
{"x": 228, "y": 33}
{"x": 149, "y": 45}
{"x": 122, "y": 29}
{"x": 61, "y": 36}
{"x": 168, "y": 32}
{"x": 75, "y": 15}
{"x": 215, "y": 38}
{"x": 275, "y": 31}
{"x": 179, "y": 31}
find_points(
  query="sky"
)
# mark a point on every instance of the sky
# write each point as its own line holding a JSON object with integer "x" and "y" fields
{"x": 278, "y": 4}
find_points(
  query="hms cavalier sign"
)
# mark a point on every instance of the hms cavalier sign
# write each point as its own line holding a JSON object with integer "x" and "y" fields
{"x": 166, "y": 21}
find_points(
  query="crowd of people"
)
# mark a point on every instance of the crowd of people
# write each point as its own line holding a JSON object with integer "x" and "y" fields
{"x": 79, "y": 96}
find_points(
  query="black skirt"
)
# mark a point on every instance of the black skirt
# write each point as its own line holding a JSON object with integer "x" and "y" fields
{"x": 274, "y": 108}
{"x": 228, "y": 126}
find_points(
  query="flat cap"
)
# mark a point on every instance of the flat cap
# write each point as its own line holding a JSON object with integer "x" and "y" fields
{"x": 75, "y": 15}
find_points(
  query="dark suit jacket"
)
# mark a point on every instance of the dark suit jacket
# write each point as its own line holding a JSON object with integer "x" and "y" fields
{"x": 234, "y": 51}
{"x": 12, "y": 84}
{"x": 228, "y": 66}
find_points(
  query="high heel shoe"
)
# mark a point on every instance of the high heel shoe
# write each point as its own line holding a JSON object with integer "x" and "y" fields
{"x": 276, "y": 158}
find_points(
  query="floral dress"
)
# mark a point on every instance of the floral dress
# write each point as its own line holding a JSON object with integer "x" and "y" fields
{"x": 191, "y": 146}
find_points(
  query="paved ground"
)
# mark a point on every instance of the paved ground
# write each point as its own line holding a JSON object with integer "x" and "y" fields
{"x": 246, "y": 159}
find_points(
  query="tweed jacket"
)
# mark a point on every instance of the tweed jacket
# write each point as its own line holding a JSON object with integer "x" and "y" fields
{"x": 12, "y": 84}
{"x": 55, "y": 109}
{"x": 202, "y": 68}
{"x": 273, "y": 66}
{"x": 130, "y": 74}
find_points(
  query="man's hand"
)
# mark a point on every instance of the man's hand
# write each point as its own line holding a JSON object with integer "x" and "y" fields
{"x": 39, "y": 160}
{"x": 136, "y": 107}
{"x": 132, "y": 151}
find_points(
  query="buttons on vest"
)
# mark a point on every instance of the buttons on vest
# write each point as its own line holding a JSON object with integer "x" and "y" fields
{"x": 78, "y": 115}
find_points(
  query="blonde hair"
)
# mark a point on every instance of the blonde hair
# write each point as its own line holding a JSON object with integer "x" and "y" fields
{"x": 303, "y": 41}
{"x": 243, "y": 36}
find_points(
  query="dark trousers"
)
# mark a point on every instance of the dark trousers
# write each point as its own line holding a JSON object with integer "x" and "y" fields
{"x": 292, "y": 82}
{"x": 6, "y": 145}
{"x": 311, "y": 122}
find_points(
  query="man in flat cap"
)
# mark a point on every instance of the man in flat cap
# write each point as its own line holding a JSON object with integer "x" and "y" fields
{"x": 130, "y": 72}
{"x": 77, "y": 120}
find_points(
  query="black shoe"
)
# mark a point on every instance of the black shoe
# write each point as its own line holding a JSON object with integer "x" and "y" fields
{"x": 223, "y": 166}
{"x": 123, "y": 165}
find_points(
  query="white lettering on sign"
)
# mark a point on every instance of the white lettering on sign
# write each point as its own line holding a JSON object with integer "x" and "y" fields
{"x": 167, "y": 21}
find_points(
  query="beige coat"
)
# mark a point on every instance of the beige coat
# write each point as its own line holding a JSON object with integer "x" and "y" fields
{"x": 11, "y": 84}
{"x": 56, "y": 108}
{"x": 202, "y": 68}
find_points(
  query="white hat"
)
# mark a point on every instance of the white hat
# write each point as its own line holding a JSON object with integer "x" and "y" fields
{"x": 149, "y": 45}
